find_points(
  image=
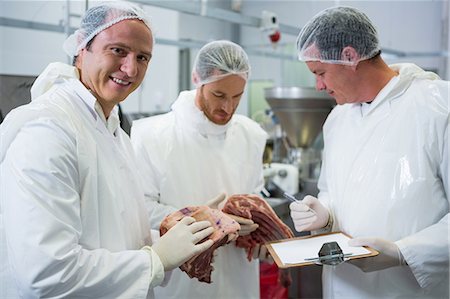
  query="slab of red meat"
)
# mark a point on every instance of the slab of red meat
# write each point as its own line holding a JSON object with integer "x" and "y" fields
{"x": 251, "y": 206}
{"x": 271, "y": 228}
{"x": 225, "y": 231}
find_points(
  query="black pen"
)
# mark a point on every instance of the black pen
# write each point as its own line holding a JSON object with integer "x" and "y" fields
{"x": 290, "y": 197}
{"x": 293, "y": 199}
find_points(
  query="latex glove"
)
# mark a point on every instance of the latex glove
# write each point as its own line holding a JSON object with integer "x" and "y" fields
{"x": 260, "y": 252}
{"x": 247, "y": 225}
{"x": 309, "y": 214}
{"x": 179, "y": 243}
{"x": 217, "y": 202}
{"x": 389, "y": 254}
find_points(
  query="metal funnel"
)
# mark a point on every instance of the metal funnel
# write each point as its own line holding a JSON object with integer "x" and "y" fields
{"x": 301, "y": 111}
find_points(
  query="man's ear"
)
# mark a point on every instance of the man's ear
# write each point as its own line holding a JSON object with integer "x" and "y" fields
{"x": 79, "y": 60}
{"x": 195, "y": 78}
{"x": 349, "y": 54}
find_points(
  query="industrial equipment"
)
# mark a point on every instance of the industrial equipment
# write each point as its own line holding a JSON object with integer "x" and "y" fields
{"x": 301, "y": 113}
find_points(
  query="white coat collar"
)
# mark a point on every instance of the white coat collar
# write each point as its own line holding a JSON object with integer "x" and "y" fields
{"x": 112, "y": 123}
{"x": 55, "y": 72}
{"x": 407, "y": 72}
{"x": 191, "y": 116}
{"x": 58, "y": 72}
{"x": 367, "y": 108}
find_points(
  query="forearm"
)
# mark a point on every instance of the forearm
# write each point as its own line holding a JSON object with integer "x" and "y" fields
{"x": 427, "y": 253}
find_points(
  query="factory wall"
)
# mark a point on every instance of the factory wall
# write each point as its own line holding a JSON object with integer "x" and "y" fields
{"x": 405, "y": 26}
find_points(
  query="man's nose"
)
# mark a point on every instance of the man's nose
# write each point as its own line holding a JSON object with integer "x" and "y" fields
{"x": 129, "y": 66}
{"x": 319, "y": 84}
{"x": 227, "y": 106}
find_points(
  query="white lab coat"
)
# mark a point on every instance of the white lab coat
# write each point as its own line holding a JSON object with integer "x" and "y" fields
{"x": 385, "y": 174}
{"x": 186, "y": 160}
{"x": 71, "y": 205}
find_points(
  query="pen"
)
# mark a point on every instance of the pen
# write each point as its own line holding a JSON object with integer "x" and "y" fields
{"x": 293, "y": 199}
{"x": 329, "y": 256}
{"x": 290, "y": 197}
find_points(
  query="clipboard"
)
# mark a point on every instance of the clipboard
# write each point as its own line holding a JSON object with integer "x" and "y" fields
{"x": 298, "y": 252}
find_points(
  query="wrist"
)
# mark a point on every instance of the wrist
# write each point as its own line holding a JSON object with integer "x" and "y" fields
{"x": 156, "y": 252}
{"x": 156, "y": 267}
{"x": 326, "y": 228}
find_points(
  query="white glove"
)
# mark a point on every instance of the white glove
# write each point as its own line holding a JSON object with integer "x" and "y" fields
{"x": 179, "y": 243}
{"x": 217, "y": 202}
{"x": 247, "y": 225}
{"x": 390, "y": 255}
{"x": 309, "y": 214}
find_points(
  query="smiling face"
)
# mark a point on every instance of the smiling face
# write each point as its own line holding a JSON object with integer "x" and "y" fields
{"x": 219, "y": 99}
{"x": 116, "y": 62}
{"x": 339, "y": 81}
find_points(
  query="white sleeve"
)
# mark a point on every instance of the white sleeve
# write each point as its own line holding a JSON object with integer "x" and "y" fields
{"x": 150, "y": 177}
{"x": 322, "y": 185}
{"x": 41, "y": 199}
{"x": 427, "y": 251}
{"x": 427, "y": 254}
{"x": 325, "y": 199}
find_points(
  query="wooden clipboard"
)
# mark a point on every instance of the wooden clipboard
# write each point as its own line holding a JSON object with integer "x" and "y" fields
{"x": 292, "y": 252}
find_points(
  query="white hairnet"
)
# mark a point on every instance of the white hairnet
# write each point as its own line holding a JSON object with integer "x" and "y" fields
{"x": 99, "y": 18}
{"x": 325, "y": 36}
{"x": 219, "y": 59}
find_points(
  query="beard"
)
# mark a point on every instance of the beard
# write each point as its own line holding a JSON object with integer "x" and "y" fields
{"x": 209, "y": 112}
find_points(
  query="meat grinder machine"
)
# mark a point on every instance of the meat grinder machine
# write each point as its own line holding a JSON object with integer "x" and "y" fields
{"x": 301, "y": 112}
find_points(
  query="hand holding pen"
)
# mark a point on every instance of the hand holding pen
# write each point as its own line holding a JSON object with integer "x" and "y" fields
{"x": 308, "y": 214}
{"x": 290, "y": 197}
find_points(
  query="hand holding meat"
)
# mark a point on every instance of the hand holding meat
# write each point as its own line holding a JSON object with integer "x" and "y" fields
{"x": 247, "y": 225}
{"x": 181, "y": 242}
{"x": 309, "y": 214}
{"x": 217, "y": 202}
{"x": 225, "y": 230}
{"x": 270, "y": 227}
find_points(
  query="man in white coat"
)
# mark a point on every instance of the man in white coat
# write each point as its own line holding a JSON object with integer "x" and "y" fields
{"x": 197, "y": 150}
{"x": 72, "y": 220}
{"x": 385, "y": 178}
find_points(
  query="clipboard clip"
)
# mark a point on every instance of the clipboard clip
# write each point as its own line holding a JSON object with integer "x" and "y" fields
{"x": 330, "y": 254}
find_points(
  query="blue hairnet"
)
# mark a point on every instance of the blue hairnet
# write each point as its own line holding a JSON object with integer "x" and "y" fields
{"x": 325, "y": 36}
{"x": 99, "y": 18}
{"x": 219, "y": 59}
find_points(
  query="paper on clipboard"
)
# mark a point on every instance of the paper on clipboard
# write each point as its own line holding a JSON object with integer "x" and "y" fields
{"x": 296, "y": 252}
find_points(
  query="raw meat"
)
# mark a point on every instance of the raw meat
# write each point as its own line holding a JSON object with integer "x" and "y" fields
{"x": 271, "y": 228}
{"x": 225, "y": 231}
{"x": 253, "y": 207}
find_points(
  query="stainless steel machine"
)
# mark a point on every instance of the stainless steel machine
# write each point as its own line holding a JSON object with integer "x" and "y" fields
{"x": 301, "y": 113}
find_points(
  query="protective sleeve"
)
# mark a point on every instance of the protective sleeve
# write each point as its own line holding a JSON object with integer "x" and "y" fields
{"x": 148, "y": 171}
{"x": 40, "y": 191}
{"x": 427, "y": 252}
{"x": 324, "y": 199}
{"x": 155, "y": 268}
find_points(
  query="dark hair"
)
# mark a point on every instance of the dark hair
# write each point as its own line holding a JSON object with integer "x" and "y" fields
{"x": 88, "y": 47}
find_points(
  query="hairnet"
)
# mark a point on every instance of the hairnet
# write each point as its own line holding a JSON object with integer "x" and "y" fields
{"x": 219, "y": 59}
{"x": 99, "y": 18}
{"x": 325, "y": 36}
